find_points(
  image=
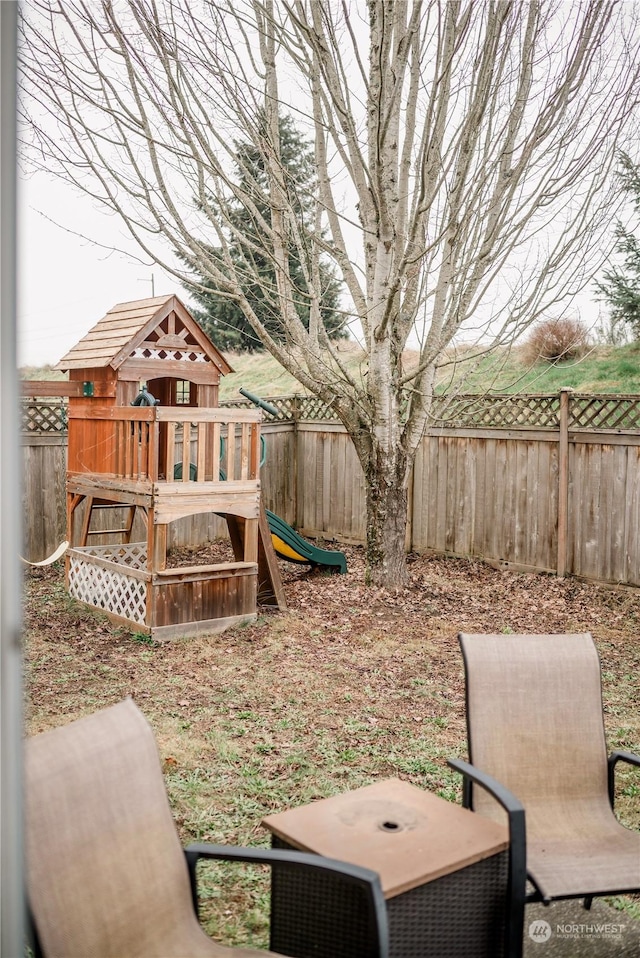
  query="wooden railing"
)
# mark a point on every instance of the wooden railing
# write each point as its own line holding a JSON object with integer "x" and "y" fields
{"x": 216, "y": 445}
{"x": 164, "y": 443}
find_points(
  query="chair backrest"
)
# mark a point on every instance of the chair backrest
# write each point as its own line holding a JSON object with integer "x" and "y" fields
{"x": 535, "y": 720}
{"x": 106, "y": 874}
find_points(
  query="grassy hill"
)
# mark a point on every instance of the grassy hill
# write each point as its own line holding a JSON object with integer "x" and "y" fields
{"x": 605, "y": 369}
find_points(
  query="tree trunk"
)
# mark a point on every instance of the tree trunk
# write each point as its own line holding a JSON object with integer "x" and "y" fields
{"x": 387, "y": 498}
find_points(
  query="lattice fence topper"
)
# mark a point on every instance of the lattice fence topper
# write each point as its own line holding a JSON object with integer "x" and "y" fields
{"x": 463, "y": 411}
{"x": 290, "y": 408}
{"x": 283, "y": 404}
{"x": 488, "y": 411}
{"x": 132, "y": 554}
{"x": 599, "y": 412}
{"x": 498, "y": 412}
{"x": 44, "y": 416}
{"x": 106, "y": 589}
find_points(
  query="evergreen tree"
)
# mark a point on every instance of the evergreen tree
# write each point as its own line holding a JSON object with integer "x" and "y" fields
{"x": 621, "y": 287}
{"x": 221, "y": 317}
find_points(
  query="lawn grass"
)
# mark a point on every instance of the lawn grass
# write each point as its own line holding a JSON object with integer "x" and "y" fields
{"x": 352, "y": 685}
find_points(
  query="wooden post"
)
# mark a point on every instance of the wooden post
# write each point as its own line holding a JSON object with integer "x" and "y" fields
{"x": 186, "y": 452}
{"x": 408, "y": 538}
{"x": 170, "y": 452}
{"x": 201, "y": 455}
{"x": 270, "y": 588}
{"x": 86, "y": 525}
{"x": 235, "y": 525}
{"x": 251, "y": 540}
{"x": 156, "y": 543}
{"x": 563, "y": 482}
{"x": 153, "y": 450}
{"x": 143, "y": 451}
{"x": 215, "y": 452}
{"x": 230, "y": 458}
{"x": 253, "y": 462}
{"x": 73, "y": 501}
{"x": 294, "y": 479}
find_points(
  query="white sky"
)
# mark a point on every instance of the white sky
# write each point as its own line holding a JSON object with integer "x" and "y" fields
{"x": 66, "y": 284}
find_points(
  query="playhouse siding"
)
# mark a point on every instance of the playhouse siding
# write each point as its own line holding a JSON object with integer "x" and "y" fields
{"x": 203, "y": 596}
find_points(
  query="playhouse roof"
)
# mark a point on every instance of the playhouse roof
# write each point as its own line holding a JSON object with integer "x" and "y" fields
{"x": 162, "y": 324}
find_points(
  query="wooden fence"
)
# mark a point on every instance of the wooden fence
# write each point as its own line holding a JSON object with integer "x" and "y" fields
{"x": 549, "y": 483}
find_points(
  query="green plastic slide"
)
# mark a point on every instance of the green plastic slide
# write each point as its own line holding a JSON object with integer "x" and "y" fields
{"x": 292, "y": 547}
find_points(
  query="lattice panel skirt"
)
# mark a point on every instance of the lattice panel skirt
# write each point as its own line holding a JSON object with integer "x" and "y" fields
{"x": 114, "y": 592}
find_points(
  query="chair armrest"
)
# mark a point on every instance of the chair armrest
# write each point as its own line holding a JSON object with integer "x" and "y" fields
{"x": 517, "y": 846}
{"x": 613, "y": 760}
{"x": 495, "y": 788}
{"x": 355, "y": 874}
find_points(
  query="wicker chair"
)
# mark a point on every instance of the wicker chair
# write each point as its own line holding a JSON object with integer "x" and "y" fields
{"x": 535, "y": 725}
{"x": 106, "y": 874}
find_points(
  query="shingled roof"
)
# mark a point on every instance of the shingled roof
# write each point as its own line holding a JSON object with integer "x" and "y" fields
{"x": 127, "y": 326}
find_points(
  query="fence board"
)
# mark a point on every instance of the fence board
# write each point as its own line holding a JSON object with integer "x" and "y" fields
{"x": 632, "y": 525}
{"x": 463, "y": 511}
{"x": 479, "y": 510}
{"x": 278, "y": 475}
{"x": 605, "y": 481}
{"x": 44, "y": 468}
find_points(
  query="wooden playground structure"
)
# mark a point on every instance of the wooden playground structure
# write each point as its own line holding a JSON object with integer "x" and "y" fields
{"x": 147, "y": 439}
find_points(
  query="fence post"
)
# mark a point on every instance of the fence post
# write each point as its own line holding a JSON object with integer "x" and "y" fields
{"x": 408, "y": 538}
{"x": 563, "y": 481}
{"x": 295, "y": 415}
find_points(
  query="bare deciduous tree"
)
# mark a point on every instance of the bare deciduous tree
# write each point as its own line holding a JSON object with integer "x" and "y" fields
{"x": 463, "y": 154}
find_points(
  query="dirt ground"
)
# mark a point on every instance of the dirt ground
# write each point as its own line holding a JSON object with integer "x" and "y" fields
{"x": 77, "y": 660}
{"x": 329, "y": 612}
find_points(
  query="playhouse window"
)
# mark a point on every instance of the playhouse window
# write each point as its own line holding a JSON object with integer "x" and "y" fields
{"x": 183, "y": 392}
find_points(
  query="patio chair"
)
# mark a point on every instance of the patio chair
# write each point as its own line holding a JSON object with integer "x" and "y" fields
{"x": 535, "y": 726}
{"x": 106, "y": 873}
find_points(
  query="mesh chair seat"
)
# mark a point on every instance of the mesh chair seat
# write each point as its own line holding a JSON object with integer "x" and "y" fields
{"x": 580, "y": 863}
{"x": 106, "y": 873}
